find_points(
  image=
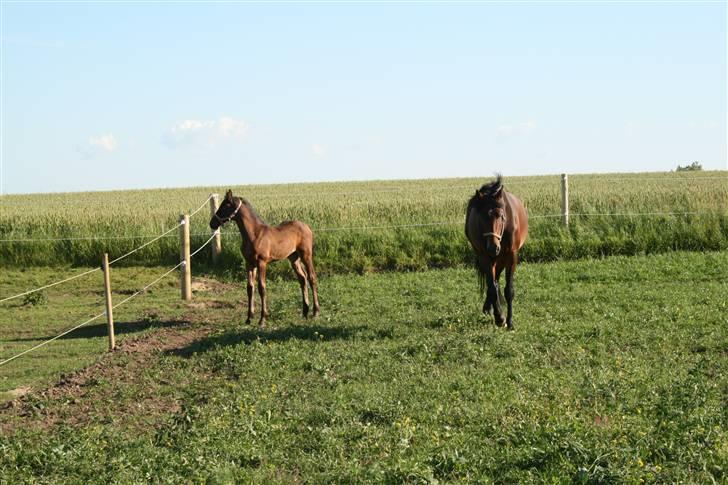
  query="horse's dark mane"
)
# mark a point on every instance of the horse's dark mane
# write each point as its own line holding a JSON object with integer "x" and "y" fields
{"x": 488, "y": 191}
{"x": 250, "y": 207}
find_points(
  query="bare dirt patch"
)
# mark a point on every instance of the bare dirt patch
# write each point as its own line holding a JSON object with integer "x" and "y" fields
{"x": 21, "y": 391}
{"x": 200, "y": 284}
{"x": 78, "y": 398}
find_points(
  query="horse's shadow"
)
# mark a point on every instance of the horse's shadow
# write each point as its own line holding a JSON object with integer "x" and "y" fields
{"x": 317, "y": 333}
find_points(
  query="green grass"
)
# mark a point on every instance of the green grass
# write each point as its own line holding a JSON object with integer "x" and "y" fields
{"x": 342, "y": 216}
{"x": 29, "y": 321}
{"x": 616, "y": 373}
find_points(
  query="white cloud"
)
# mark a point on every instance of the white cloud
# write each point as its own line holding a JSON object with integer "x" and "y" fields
{"x": 106, "y": 142}
{"x": 205, "y": 132}
{"x": 98, "y": 145}
{"x": 512, "y": 129}
{"x": 318, "y": 149}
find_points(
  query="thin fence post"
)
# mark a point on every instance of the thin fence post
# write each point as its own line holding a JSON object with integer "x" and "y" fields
{"x": 184, "y": 254}
{"x": 565, "y": 199}
{"x": 216, "y": 241}
{"x": 109, "y": 305}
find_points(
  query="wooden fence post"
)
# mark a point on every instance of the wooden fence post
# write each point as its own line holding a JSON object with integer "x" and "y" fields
{"x": 565, "y": 199}
{"x": 184, "y": 254}
{"x": 109, "y": 306}
{"x": 216, "y": 241}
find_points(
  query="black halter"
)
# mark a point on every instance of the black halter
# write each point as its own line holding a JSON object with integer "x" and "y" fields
{"x": 228, "y": 218}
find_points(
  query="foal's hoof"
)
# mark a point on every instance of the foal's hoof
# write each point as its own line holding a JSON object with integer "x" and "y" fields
{"x": 499, "y": 321}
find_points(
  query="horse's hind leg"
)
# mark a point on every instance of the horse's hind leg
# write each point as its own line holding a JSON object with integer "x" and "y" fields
{"x": 307, "y": 257}
{"x": 263, "y": 293}
{"x": 251, "y": 290}
{"x": 301, "y": 275}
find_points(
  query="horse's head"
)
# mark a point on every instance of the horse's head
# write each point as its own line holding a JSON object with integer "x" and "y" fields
{"x": 229, "y": 207}
{"x": 491, "y": 202}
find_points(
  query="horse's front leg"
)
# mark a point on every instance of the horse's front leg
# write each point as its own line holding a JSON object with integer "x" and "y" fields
{"x": 251, "y": 291}
{"x": 262, "y": 291}
{"x": 493, "y": 292}
{"x": 510, "y": 293}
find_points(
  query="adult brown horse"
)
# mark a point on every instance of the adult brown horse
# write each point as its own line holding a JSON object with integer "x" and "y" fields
{"x": 496, "y": 224}
{"x": 263, "y": 244}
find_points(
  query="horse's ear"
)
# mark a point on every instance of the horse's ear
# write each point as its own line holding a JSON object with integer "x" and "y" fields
{"x": 229, "y": 196}
{"x": 479, "y": 194}
{"x": 498, "y": 194}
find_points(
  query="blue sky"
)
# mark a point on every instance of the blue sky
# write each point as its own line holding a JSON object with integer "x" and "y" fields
{"x": 129, "y": 95}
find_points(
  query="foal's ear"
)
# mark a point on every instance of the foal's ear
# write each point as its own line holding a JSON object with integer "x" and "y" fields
{"x": 229, "y": 196}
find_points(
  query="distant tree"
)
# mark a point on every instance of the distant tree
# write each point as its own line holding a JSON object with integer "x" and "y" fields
{"x": 693, "y": 167}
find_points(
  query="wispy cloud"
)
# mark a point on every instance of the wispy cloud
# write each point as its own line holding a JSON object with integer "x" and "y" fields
{"x": 96, "y": 145}
{"x": 318, "y": 149}
{"x": 513, "y": 129}
{"x": 205, "y": 132}
{"x": 107, "y": 142}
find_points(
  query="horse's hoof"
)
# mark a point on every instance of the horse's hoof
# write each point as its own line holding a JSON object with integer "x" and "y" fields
{"x": 305, "y": 312}
{"x": 500, "y": 321}
{"x": 247, "y": 321}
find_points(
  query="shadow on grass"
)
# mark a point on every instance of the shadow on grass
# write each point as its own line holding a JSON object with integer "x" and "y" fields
{"x": 100, "y": 330}
{"x": 316, "y": 333}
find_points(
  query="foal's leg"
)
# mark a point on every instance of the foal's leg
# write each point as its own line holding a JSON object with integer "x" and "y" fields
{"x": 301, "y": 275}
{"x": 261, "y": 289}
{"x": 251, "y": 290}
{"x": 307, "y": 258}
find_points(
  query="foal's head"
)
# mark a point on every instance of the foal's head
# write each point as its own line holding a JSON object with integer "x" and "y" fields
{"x": 490, "y": 202}
{"x": 229, "y": 207}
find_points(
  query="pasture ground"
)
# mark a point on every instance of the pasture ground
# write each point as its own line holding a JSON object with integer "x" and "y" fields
{"x": 617, "y": 371}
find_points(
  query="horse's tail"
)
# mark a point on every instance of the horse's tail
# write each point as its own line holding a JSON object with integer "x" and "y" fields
{"x": 482, "y": 273}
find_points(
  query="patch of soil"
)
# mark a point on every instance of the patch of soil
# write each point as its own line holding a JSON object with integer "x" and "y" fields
{"x": 76, "y": 398}
{"x": 21, "y": 391}
{"x": 209, "y": 284}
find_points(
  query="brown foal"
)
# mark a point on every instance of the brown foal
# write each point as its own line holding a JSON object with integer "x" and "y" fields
{"x": 263, "y": 243}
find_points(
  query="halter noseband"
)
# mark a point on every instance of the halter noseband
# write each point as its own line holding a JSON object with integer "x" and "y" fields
{"x": 228, "y": 218}
{"x": 497, "y": 236}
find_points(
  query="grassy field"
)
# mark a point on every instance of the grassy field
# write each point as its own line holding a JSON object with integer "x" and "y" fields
{"x": 617, "y": 372}
{"x": 348, "y": 217}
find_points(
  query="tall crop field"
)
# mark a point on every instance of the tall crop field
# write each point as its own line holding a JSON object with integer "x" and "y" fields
{"x": 353, "y": 221}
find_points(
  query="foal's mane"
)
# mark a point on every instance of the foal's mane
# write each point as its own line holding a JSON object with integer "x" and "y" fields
{"x": 250, "y": 207}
